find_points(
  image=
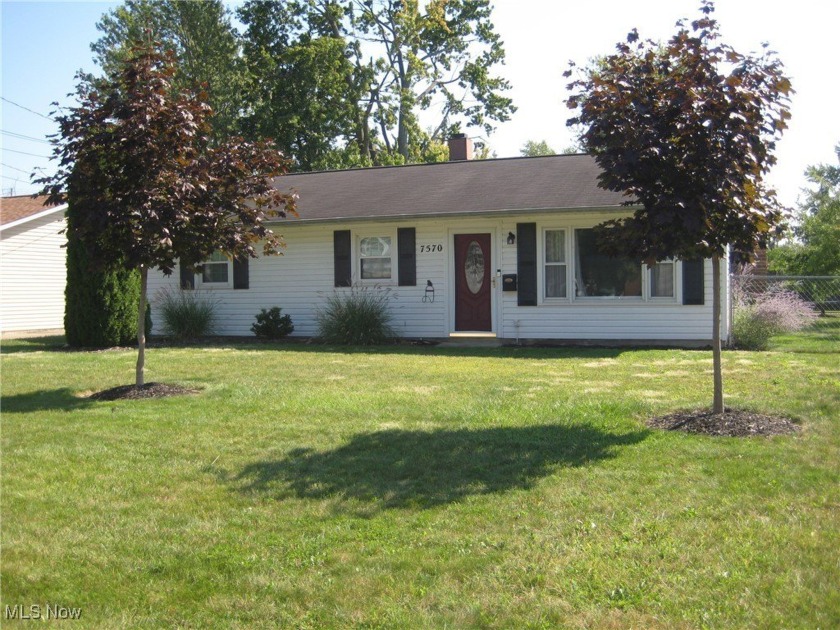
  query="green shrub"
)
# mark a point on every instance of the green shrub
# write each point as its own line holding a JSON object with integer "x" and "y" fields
{"x": 271, "y": 325}
{"x": 359, "y": 316}
{"x": 186, "y": 314}
{"x": 100, "y": 309}
{"x": 751, "y": 331}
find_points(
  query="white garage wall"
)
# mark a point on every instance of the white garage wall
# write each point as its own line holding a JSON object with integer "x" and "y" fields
{"x": 33, "y": 274}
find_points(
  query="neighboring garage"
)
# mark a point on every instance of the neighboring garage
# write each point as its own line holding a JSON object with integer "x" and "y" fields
{"x": 33, "y": 267}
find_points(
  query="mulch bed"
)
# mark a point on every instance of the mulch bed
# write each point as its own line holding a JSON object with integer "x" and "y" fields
{"x": 730, "y": 423}
{"x": 149, "y": 390}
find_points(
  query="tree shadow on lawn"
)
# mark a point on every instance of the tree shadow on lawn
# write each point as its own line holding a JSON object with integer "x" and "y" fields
{"x": 45, "y": 400}
{"x": 53, "y": 343}
{"x": 547, "y": 350}
{"x": 396, "y": 468}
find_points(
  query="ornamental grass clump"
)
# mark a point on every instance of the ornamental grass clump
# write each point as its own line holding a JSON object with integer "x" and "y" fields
{"x": 359, "y": 316}
{"x": 758, "y": 317}
{"x": 186, "y": 314}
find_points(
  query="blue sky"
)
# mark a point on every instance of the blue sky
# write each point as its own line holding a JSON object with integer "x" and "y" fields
{"x": 45, "y": 43}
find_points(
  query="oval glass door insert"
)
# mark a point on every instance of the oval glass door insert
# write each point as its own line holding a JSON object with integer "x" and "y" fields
{"x": 474, "y": 267}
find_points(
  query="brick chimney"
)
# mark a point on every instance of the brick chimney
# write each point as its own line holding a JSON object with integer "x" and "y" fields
{"x": 460, "y": 148}
{"x": 760, "y": 264}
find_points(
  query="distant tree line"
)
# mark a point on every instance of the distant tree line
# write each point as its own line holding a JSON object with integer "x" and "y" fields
{"x": 812, "y": 246}
{"x": 333, "y": 83}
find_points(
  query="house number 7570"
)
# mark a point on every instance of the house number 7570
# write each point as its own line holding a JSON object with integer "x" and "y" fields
{"x": 427, "y": 249}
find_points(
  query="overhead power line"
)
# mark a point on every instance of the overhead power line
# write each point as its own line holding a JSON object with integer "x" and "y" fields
{"x": 14, "y": 168}
{"x": 31, "y": 111}
{"x": 20, "y": 136}
{"x": 25, "y": 153}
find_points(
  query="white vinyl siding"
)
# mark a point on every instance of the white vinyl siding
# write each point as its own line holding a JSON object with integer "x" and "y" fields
{"x": 302, "y": 278}
{"x": 33, "y": 274}
{"x": 652, "y": 318}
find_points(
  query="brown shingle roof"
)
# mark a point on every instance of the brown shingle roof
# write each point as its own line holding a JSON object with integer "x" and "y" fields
{"x": 20, "y": 207}
{"x": 470, "y": 187}
{"x": 448, "y": 188}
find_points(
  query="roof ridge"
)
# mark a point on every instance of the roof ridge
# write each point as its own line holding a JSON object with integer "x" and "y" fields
{"x": 447, "y": 162}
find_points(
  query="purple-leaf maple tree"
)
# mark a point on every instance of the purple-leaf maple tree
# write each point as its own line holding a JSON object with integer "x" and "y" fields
{"x": 149, "y": 186}
{"x": 686, "y": 130}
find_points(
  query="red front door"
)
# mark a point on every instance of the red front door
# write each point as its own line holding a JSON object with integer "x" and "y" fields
{"x": 472, "y": 282}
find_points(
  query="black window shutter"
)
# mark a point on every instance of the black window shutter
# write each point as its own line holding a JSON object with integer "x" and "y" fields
{"x": 240, "y": 273}
{"x": 341, "y": 258}
{"x": 187, "y": 277}
{"x": 526, "y": 263}
{"x": 693, "y": 272}
{"x": 407, "y": 256}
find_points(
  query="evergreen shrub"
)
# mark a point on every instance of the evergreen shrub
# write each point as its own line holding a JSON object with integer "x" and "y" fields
{"x": 100, "y": 304}
{"x": 270, "y": 324}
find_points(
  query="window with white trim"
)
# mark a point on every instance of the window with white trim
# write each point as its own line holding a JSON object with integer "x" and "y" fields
{"x": 600, "y": 276}
{"x": 662, "y": 280}
{"x": 216, "y": 271}
{"x": 554, "y": 264}
{"x": 375, "y": 257}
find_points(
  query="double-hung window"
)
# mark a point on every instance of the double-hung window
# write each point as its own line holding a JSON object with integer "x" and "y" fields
{"x": 216, "y": 271}
{"x": 375, "y": 257}
{"x": 661, "y": 279}
{"x": 554, "y": 269}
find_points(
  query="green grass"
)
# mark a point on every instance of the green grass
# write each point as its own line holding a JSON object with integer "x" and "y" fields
{"x": 401, "y": 487}
{"x": 821, "y": 337}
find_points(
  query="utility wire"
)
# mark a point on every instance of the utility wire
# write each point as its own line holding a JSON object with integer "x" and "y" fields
{"x": 31, "y": 111}
{"x": 14, "y": 168}
{"x": 46, "y": 157}
{"x": 20, "y": 136}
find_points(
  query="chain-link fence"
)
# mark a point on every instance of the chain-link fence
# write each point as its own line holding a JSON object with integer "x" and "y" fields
{"x": 806, "y": 307}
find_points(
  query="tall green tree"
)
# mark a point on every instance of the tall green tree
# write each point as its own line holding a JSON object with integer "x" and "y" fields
{"x": 302, "y": 88}
{"x": 533, "y": 148}
{"x": 387, "y": 61}
{"x": 151, "y": 187}
{"x": 686, "y": 130}
{"x": 815, "y": 250}
{"x": 204, "y": 42}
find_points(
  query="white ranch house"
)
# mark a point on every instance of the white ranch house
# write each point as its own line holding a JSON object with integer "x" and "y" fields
{"x": 489, "y": 248}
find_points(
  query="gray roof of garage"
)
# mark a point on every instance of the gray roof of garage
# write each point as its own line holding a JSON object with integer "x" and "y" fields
{"x": 508, "y": 185}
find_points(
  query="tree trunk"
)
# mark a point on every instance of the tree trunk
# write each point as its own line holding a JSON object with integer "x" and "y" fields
{"x": 717, "y": 405}
{"x": 405, "y": 107}
{"x": 141, "y": 328}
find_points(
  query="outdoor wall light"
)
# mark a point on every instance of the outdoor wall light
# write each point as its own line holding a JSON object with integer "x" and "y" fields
{"x": 511, "y": 239}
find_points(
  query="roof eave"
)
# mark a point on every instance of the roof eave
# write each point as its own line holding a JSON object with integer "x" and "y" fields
{"x": 34, "y": 217}
{"x": 442, "y": 215}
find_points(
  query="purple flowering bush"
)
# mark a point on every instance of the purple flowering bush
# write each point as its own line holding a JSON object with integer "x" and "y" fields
{"x": 759, "y": 316}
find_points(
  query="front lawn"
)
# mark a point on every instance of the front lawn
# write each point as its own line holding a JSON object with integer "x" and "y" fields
{"x": 403, "y": 487}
